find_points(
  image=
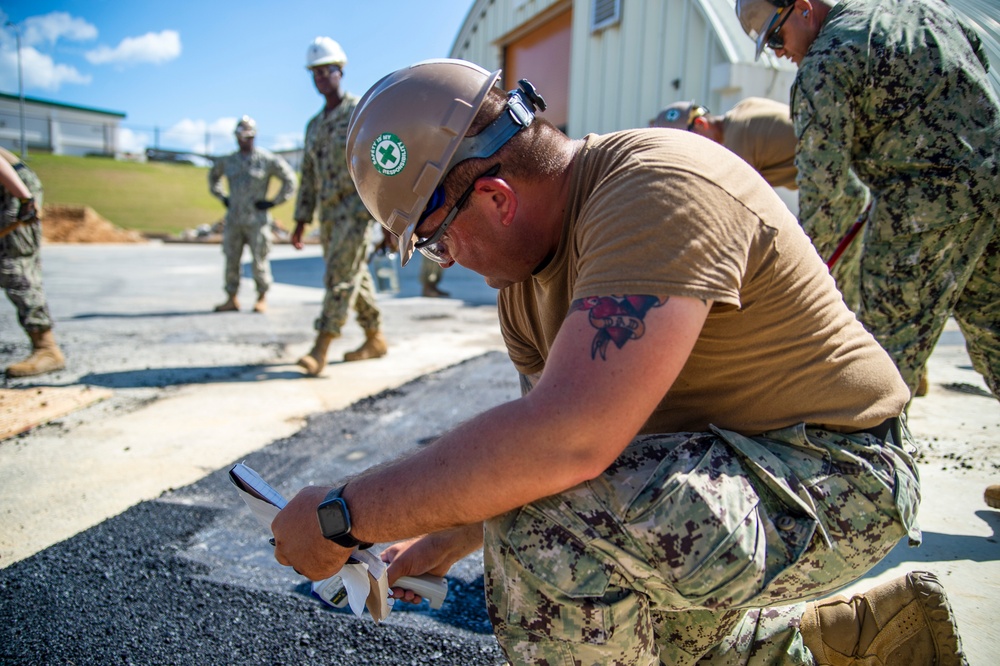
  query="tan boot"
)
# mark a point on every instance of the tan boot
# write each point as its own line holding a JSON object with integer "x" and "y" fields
{"x": 905, "y": 621}
{"x": 992, "y": 496}
{"x": 374, "y": 347}
{"x": 315, "y": 361}
{"x": 231, "y": 305}
{"x": 261, "y": 304}
{"x": 922, "y": 385}
{"x": 45, "y": 356}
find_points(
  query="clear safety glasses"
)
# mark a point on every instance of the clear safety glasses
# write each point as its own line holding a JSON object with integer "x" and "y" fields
{"x": 434, "y": 246}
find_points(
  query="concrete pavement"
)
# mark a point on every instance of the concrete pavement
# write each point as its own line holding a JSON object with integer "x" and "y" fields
{"x": 194, "y": 391}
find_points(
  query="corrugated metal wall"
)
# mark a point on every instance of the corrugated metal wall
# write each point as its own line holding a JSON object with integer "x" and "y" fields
{"x": 488, "y": 21}
{"x": 660, "y": 52}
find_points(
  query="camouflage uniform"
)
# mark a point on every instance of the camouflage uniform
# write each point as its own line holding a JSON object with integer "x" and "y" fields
{"x": 345, "y": 224}
{"x": 921, "y": 128}
{"x": 677, "y": 551}
{"x": 20, "y": 260}
{"x": 761, "y": 132}
{"x": 249, "y": 177}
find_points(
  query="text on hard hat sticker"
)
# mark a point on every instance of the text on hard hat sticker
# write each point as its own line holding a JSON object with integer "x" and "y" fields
{"x": 388, "y": 154}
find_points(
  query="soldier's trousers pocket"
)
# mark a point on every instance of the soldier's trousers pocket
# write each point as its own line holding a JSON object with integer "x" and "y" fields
{"x": 22, "y": 241}
{"x": 557, "y": 588}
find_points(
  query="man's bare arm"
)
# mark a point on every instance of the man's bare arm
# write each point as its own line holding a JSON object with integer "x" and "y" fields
{"x": 528, "y": 382}
{"x": 608, "y": 369}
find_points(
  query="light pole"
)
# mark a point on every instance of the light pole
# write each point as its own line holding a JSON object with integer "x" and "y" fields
{"x": 20, "y": 87}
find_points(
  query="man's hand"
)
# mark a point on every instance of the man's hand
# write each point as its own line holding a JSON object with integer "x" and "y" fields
{"x": 263, "y": 205}
{"x": 225, "y": 201}
{"x": 27, "y": 210}
{"x": 300, "y": 228}
{"x": 299, "y": 542}
{"x": 431, "y": 554}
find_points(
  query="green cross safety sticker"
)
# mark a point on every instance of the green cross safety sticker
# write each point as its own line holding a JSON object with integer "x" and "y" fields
{"x": 388, "y": 154}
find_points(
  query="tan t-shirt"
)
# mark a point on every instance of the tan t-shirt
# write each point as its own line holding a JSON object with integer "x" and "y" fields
{"x": 761, "y": 132}
{"x": 673, "y": 214}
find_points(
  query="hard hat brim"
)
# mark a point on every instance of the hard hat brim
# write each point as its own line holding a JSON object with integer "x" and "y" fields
{"x": 766, "y": 32}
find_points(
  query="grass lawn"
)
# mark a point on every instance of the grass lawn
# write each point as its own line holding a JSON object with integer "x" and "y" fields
{"x": 153, "y": 198}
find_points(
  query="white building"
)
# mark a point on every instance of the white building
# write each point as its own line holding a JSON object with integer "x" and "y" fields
{"x": 606, "y": 65}
{"x": 60, "y": 129}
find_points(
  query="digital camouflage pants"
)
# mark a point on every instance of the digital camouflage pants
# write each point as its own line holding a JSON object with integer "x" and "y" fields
{"x": 697, "y": 547}
{"x": 20, "y": 260}
{"x": 257, "y": 237}
{"x": 347, "y": 279}
{"x": 21, "y": 278}
{"x": 912, "y": 283}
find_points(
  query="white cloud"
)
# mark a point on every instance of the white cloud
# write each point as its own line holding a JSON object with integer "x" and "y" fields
{"x": 40, "y": 71}
{"x": 132, "y": 142}
{"x": 54, "y": 26}
{"x": 153, "y": 47}
{"x": 288, "y": 141}
{"x": 190, "y": 134}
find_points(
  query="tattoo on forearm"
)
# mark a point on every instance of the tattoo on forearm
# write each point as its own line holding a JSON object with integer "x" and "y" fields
{"x": 617, "y": 319}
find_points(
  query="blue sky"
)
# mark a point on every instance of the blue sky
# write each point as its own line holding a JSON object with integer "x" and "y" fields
{"x": 189, "y": 67}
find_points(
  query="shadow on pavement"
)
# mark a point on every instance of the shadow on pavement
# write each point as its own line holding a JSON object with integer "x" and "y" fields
{"x": 137, "y": 315}
{"x": 299, "y": 272}
{"x": 162, "y": 377}
{"x": 938, "y": 547}
{"x": 463, "y": 609}
{"x": 460, "y": 283}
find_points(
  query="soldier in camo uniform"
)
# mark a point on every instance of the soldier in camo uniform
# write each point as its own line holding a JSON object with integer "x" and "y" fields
{"x": 345, "y": 226}
{"x": 706, "y": 431}
{"x": 761, "y": 132}
{"x": 21, "y": 265}
{"x": 899, "y": 92}
{"x": 248, "y": 172}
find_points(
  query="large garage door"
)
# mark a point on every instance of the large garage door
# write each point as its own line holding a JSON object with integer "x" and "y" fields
{"x": 542, "y": 56}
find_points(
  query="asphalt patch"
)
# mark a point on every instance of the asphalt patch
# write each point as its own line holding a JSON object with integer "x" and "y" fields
{"x": 189, "y": 579}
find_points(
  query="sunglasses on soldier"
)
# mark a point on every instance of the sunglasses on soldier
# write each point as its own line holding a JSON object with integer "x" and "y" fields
{"x": 774, "y": 40}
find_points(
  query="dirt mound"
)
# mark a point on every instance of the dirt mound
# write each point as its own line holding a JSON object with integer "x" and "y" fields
{"x": 82, "y": 224}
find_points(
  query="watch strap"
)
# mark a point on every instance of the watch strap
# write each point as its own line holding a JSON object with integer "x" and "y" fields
{"x": 344, "y": 540}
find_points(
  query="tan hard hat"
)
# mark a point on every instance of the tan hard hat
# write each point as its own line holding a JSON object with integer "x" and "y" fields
{"x": 678, "y": 115}
{"x": 325, "y": 51}
{"x": 403, "y": 136}
{"x": 758, "y": 18}
{"x": 247, "y": 127}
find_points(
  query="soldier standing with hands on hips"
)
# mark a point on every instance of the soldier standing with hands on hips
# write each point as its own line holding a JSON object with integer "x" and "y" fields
{"x": 248, "y": 222}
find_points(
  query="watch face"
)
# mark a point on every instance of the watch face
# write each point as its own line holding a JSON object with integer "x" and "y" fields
{"x": 333, "y": 518}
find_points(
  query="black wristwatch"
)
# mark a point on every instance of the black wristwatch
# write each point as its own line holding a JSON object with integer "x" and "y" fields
{"x": 335, "y": 521}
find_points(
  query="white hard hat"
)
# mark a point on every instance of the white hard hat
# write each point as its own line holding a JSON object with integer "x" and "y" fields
{"x": 325, "y": 51}
{"x": 246, "y": 127}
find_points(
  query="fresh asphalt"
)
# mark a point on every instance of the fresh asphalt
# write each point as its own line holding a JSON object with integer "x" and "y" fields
{"x": 122, "y": 541}
{"x": 188, "y": 577}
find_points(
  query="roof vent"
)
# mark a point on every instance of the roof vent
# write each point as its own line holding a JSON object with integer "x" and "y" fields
{"x": 606, "y": 13}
